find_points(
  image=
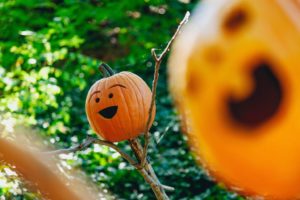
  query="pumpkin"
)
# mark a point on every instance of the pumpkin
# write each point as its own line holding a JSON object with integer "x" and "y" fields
{"x": 117, "y": 106}
{"x": 234, "y": 74}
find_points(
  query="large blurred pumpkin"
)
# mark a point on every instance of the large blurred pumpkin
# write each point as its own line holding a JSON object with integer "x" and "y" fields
{"x": 235, "y": 76}
{"x": 117, "y": 105}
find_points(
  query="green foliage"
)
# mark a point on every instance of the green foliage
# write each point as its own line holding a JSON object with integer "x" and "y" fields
{"x": 49, "y": 53}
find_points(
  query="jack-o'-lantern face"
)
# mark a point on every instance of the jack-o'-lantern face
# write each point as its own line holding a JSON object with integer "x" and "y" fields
{"x": 117, "y": 106}
{"x": 98, "y": 100}
{"x": 237, "y": 64}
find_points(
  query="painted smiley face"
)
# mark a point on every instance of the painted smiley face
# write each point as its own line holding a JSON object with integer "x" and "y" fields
{"x": 110, "y": 111}
{"x": 117, "y": 106}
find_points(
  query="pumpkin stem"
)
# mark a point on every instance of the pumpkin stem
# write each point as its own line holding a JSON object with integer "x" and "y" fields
{"x": 106, "y": 70}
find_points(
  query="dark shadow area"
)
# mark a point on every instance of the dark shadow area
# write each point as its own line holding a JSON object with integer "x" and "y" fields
{"x": 263, "y": 103}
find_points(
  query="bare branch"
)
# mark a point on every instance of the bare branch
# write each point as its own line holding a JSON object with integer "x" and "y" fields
{"x": 158, "y": 60}
{"x": 167, "y": 48}
{"x": 154, "y": 55}
{"x": 157, "y": 187}
{"x": 82, "y": 146}
{"x": 116, "y": 148}
{"x": 146, "y": 171}
{"x": 88, "y": 142}
{"x": 167, "y": 188}
{"x": 171, "y": 123}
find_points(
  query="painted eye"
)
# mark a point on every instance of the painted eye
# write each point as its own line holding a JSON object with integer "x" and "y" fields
{"x": 110, "y": 95}
{"x": 235, "y": 20}
{"x": 97, "y": 100}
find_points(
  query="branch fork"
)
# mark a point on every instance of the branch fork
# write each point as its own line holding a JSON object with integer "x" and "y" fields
{"x": 158, "y": 60}
{"x": 141, "y": 162}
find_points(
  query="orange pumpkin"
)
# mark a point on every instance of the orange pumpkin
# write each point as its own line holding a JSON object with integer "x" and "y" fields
{"x": 117, "y": 105}
{"x": 234, "y": 72}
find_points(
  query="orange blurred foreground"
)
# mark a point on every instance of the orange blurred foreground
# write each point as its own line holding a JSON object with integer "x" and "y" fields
{"x": 234, "y": 72}
{"x": 45, "y": 173}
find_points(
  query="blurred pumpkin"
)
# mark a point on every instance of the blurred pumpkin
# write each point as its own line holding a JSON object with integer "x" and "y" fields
{"x": 117, "y": 105}
{"x": 234, "y": 73}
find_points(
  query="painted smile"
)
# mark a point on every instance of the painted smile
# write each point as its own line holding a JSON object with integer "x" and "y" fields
{"x": 109, "y": 112}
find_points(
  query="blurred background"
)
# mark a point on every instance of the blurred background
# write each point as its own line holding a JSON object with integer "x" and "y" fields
{"x": 49, "y": 53}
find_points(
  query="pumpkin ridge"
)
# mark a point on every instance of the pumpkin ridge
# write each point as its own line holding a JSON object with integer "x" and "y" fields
{"x": 145, "y": 106}
{"x": 111, "y": 126}
{"x": 127, "y": 110}
{"x": 98, "y": 86}
{"x": 138, "y": 98}
{"x": 119, "y": 121}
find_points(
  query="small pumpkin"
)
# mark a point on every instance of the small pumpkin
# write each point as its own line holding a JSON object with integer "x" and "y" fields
{"x": 117, "y": 105}
{"x": 234, "y": 72}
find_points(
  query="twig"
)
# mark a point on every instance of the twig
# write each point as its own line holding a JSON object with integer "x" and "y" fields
{"x": 166, "y": 187}
{"x": 158, "y": 60}
{"x": 171, "y": 123}
{"x": 157, "y": 187}
{"x": 82, "y": 146}
{"x": 116, "y": 148}
{"x": 87, "y": 143}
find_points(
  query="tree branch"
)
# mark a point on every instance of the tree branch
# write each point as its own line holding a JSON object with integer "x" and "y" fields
{"x": 158, "y": 60}
{"x": 157, "y": 187}
{"x": 147, "y": 171}
{"x": 92, "y": 140}
{"x": 82, "y": 146}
